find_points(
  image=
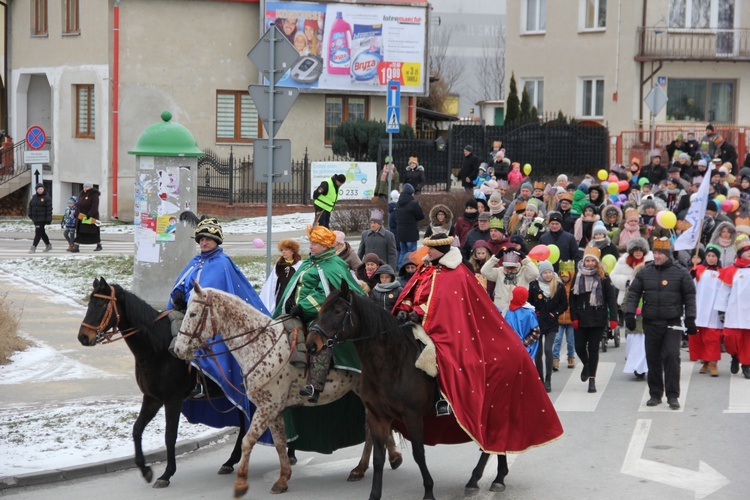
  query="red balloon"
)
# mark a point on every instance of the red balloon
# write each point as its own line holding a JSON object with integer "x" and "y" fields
{"x": 613, "y": 178}
{"x": 624, "y": 185}
{"x": 727, "y": 205}
{"x": 539, "y": 253}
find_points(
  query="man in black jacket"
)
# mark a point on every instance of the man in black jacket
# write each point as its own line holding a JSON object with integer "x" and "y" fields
{"x": 557, "y": 236}
{"x": 667, "y": 290}
{"x": 726, "y": 152}
{"x": 654, "y": 171}
{"x": 469, "y": 169}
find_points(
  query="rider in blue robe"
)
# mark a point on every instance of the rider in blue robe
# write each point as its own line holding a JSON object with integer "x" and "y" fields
{"x": 213, "y": 268}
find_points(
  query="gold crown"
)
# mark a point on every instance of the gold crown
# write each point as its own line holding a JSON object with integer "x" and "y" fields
{"x": 539, "y": 185}
{"x": 662, "y": 244}
{"x": 567, "y": 266}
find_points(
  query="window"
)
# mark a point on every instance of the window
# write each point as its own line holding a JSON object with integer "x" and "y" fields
{"x": 236, "y": 116}
{"x": 701, "y": 14}
{"x": 85, "y": 112}
{"x": 592, "y": 98}
{"x": 535, "y": 89}
{"x": 594, "y": 14}
{"x": 534, "y": 16}
{"x": 701, "y": 100}
{"x": 39, "y": 17}
{"x": 71, "y": 17}
{"x": 341, "y": 109}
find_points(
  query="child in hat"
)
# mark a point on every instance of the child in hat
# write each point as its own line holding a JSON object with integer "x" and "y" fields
{"x": 731, "y": 304}
{"x": 387, "y": 289}
{"x": 567, "y": 272}
{"x": 706, "y": 344}
{"x": 522, "y": 318}
{"x": 68, "y": 223}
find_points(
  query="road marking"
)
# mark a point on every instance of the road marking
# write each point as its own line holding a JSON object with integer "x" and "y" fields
{"x": 739, "y": 395}
{"x": 686, "y": 370}
{"x": 574, "y": 396}
{"x": 703, "y": 482}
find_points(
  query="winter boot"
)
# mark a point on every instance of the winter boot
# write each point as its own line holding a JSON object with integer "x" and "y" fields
{"x": 734, "y": 367}
{"x": 555, "y": 365}
{"x": 571, "y": 362}
{"x": 713, "y": 369}
{"x": 704, "y": 368}
{"x": 548, "y": 383}
{"x": 32, "y": 249}
{"x": 70, "y": 248}
{"x": 746, "y": 371}
{"x": 319, "y": 365}
{"x": 75, "y": 249}
{"x": 48, "y": 247}
{"x": 98, "y": 247}
{"x": 592, "y": 385}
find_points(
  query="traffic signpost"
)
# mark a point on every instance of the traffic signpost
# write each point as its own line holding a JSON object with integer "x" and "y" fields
{"x": 393, "y": 119}
{"x": 36, "y": 138}
{"x": 655, "y": 100}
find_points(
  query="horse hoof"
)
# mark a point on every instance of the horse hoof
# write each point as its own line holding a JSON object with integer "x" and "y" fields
{"x": 292, "y": 460}
{"x": 355, "y": 476}
{"x": 161, "y": 483}
{"x": 470, "y": 492}
{"x": 497, "y": 487}
{"x": 276, "y": 489}
{"x": 239, "y": 491}
{"x": 396, "y": 462}
{"x": 148, "y": 475}
{"x": 225, "y": 469}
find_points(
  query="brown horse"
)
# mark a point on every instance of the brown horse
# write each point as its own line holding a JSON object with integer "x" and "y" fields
{"x": 391, "y": 387}
{"x": 163, "y": 379}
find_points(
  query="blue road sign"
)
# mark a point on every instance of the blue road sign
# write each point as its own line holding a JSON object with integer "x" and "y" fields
{"x": 394, "y": 94}
{"x": 393, "y": 120}
{"x": 35, "y": 137}
{"x": 393, "y": 104}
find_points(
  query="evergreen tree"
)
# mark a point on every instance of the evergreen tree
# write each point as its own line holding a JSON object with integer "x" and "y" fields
{"x": 525, "y": 106}
{"x": 360, "y": 140}
{"x": 512, "y": 105}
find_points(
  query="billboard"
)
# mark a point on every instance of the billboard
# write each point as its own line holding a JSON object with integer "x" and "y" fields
{"x": 361, "y": 178}
{"x": 353, "y": 48}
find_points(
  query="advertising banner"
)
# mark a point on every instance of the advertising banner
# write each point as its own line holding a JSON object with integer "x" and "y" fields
{"x": 361, "y": 178}
{"x": 354, "y": 48}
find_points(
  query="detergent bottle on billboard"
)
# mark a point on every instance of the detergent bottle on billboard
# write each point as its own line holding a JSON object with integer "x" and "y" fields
{"x": 339, "y": 47}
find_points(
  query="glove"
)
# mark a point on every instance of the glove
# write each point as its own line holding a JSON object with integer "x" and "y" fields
{"x": 402, "y": 317}
{"x": 630, "y": 322}
{"x": 178, "y": 301}
{"x": 500, "y": 253}
{"x": 521, "y": 253}
{"x": 613, "y": 324}
{"x": 722, "y": 314}
{"x": 575, "y": 324}
{"x": 691, "y": 329}
{"x": 414, "y": 318}
{"x": 296, "y": 311}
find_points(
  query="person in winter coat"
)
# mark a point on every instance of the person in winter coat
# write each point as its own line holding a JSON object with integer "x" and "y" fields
{"x": 468, "y": 221}
{"x": 469, "y": 169}
{"x": 583, "y": 230}
{"x": 480, "y": 254}
{"x": 522, "y": 318}
{"x": 407, "y": 213}
{"x": 345, "y": 251}
{"x": 565, "y": 325}
{"x": 40, "y": 213}
{"x": 481, "y": 232}
{"x": 580, "y": 199}
{"x": 87, "y": 216}
{"x": 378, "y": 240}
{"x": 723, "y": 237}
{"x": 365, "y": 273}
{"x": 668, "y": 294}
{"x": 601, "y": 241}
{"x": 631, "y": 228}
{"x": 725, "y": 152}
{"x": 612, "y": 218}
{"x": 391, "y": 219}
{"x": 706, "y": 344}
{"x": 516, "y": 270}
{"x": 638, "y": 253}
{"x": 387, "y": 289}
{"x": 288, "y": 263}
{"x": 68, "y": 223}
{"x": 731, "y": 303}
{"x": 407, "y": 270}
{"x": 414, "y": 174}
{"x": 381, "y": 190}
{"x": 547, "y": 295}
{"x": 441, "y": 221}
{"x": 562, "y": 239}
{"x": 497, "y": 205}
{"x": 593, "y": 305}
{"x": 598, "y": 198}
{"x": 654, "y": 171}
{"x": 515, "y": 176}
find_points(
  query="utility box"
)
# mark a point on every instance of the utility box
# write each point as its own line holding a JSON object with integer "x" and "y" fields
{"x": 166, "y": 156}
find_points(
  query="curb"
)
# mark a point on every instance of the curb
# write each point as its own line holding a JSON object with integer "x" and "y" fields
{"x": 105, "y": 466}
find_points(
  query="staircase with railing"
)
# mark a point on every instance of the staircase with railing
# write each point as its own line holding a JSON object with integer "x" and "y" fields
{"x": 14, "y": 172}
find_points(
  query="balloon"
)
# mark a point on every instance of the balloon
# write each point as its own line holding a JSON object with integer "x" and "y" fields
{"x": 735, "y": 205}
{"x": 613, "y": 188}
{"x": 720, "y": 198}
{"x": 623, "y": 198}
{"x": 258, "y": 243}
{"x": 666, "y": 219}
{"x": 643, "y": 181}
{"x": 624, "y": 185}
{"x": 604, "y": 185}
{"x": 614, "y": 197}
{"x": 613, "y": 178}
{"x": 540, "y": 252}
{"x": 602, "y": 175}
{"x": 527, "y": 168}
{"x": 609, "y": 262}
{"x": 554, "y": 254}
{"x": 727, "y": 205}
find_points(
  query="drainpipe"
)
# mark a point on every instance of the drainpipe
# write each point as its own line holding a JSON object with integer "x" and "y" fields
{"x": 115, "y": 107}
{"x": 640, "y": 82}
{"x": 5, "y": 121}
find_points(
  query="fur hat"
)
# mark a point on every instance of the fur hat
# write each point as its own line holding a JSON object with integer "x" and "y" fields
{"x": 741, "y": 243}
{"x": 291, "y": 245}
{"x": 209, "y": 227}
{"x": 322, "y": 236}
{"x": 592, "y": 252}
{"x": 376, "y": 215}
{"x": 545, "y": 265}
{"x": 663, "y": 245}
{"x": 520, "y": 296}
{"x": 637, "y": 243}
{"x": 440, "y": 242}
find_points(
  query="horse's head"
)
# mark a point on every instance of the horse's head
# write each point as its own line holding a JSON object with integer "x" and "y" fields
{"x": 102, "y": 314}
{"x": 196, "y": 328}
{"x": 334, "y": 319}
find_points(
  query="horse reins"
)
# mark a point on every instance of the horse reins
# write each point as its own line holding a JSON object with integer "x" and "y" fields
{"x": 103, "y": 332}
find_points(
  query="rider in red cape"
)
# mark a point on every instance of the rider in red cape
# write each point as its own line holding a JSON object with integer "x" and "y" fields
{"x": 484, "y": 370}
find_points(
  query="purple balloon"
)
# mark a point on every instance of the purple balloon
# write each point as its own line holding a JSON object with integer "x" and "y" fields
{"x": 623, "y": 198}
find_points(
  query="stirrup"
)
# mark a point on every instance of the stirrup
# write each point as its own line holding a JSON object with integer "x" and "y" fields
{"x": 311, "y": 392}
{"x": 442, "y": 408}
{"x": 198, "y": 392}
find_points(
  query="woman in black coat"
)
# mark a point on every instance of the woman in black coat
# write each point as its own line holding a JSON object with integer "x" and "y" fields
{"x": 40, "y": 213}
{"x": 407, "y": 214}
{"x": 87, "y": 218}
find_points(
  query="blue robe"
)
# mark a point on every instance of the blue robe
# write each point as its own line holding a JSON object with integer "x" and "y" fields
{"x": 523, "y": 320}
{"x": 215, "y": 269}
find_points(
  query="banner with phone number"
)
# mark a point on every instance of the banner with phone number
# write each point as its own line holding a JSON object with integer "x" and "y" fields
{"x": 361, "y": 178}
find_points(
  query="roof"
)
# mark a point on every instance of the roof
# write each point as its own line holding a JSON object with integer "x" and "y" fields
{"x": 435, "y": 115}
{"x": 166, "y": 138}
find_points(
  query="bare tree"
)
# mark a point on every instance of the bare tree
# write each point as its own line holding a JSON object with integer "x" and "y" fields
{"x": 491, "y": 71}
{"x": 444, "y": 69}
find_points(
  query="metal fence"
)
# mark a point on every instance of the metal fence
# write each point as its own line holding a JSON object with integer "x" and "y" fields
{"x": 432, "y": 156}
{"x": 11, "y": 161}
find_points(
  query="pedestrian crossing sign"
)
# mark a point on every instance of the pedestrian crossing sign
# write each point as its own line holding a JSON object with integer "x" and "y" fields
{"x": 392, "y": 126}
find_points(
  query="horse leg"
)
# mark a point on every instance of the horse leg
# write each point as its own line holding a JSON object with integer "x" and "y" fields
{"x": 291, "y": 453}
{"x": 472, "y": 487}
{"x": 149, "y": 408}
{"x": 502, "y": 470}
{"x": 379, "y": 428}
{"x": 172, "y": 418}
{"x": 279, "y": 440}
{"x": 394, "y": 456}
{"x": 358, "y": 472}
{"x": 228, "y": 466}
{"x": 259, "y": 423}
{"x": 415, "y": 427}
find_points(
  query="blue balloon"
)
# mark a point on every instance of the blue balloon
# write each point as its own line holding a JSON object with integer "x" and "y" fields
{"x": 614, "y": 197}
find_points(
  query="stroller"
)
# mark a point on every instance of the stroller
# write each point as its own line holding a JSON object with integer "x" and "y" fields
{"x": 610, "y": 334}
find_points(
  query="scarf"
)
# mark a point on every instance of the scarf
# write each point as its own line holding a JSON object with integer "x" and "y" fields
{"x": 387, "y": 287}
{"x": 724, "y": 242}
{"x": 588, "y": 280}
{"x": 510, "y": 278}
{"x": 471, "y": 216}
{"x": 601, "y": 243}
{"x": 630, "y": 261}
{"x": 544, "y": 286}
{"x": 629, "y": 231}
{"x": 741, "y": 263}
{"x": 525, "y": 224}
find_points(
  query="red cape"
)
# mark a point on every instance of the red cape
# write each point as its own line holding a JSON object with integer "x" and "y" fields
{"x": 484, "y": 370}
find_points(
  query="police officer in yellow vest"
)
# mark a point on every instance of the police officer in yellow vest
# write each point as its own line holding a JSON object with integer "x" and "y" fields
{"x": 325, "y": 197}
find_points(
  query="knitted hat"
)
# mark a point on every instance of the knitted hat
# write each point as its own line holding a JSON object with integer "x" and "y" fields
{"x": 589, "y": 206}
{"x": 637, "y": 243}
{"x": 495, "y": 202}
{"x": 407, "y": 188}
{"x": 649, "y": 203}
{"x": 87, "y": 185}
{"x": 291, "y": 245}
{"x": 322, "y": 236}
{"x": 532, "y": 206}
{"x": 483, "y": 166}
{"x": 741, "y": 243}
{"x": 39, "y": 185}
{"x": 733, "y": 193}
{"x": 555, "y": 216}
{"x": 544, "y": 265}
{"x": 471, "y": 203}
{"x": 631, "y": 214}
{"x": 663, "y": 245}
{"x": 371, "y": 257}
{"x": 571, "y": 187}
{"x": 376, "y": 215}
{"x": 395, "y": 195}
{"x": 440, "y": 242}
{"x": 480, "y": 243}
{"x": 714, "y": 249}
{"x": 520, "y": 296}
{"x": 599, "y": 229}
{"x": 484, "y": 216}
{"x": 527, "y": 185}
{"x": 593, "y": 252}
{"x": 702, "y": 163}
{"x": 209, "y": 227}
{"x": 413, "y": 159}
{"x": 497, "y": 223}
{"x": 468, "y": 148}
{"x": 340, "y": 237}
{"x": 72, "y": 199}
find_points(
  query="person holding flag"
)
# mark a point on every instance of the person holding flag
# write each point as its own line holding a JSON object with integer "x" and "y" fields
{"x": 690, "y": 237}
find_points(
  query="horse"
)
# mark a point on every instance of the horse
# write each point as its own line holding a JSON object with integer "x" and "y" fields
{"x": 261, "y": 349}
{"x": 391, "y": 387}
{"x": 163, "y": 379}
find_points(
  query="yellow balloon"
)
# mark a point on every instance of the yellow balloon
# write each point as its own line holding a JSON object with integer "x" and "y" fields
{"x": 613, "y": 188}
{"x": 720, "y": 198}
{"x": 602, "y": 175}
{"x": 667, "y": 219}
{"x": 609, "y": 262}
{"x": 527, "y": 168}
{"x": 554, "y": 254}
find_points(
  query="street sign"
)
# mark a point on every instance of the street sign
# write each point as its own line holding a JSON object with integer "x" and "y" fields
{"x": 656, "y": 100}
{"x": 283, "y": 99}
{"x": 36, "y": 157}
{"x": 35, "y": 137}
{"x": 393, "y": 99}
{"x": 285, "y": 55}
{"x": 282, "y": 160}
{"x": 392, "y": 125}
{"x": 36, "y": 174}
{"x": 393, "y": 104}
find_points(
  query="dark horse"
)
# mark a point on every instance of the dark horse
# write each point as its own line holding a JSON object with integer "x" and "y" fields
{"x": 163, "y": 379}
{"x": 391, "y": 387}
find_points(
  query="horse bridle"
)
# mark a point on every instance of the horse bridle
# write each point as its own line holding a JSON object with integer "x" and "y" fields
{"x": 103, "y": 332}
{"x": 333, "y": 340}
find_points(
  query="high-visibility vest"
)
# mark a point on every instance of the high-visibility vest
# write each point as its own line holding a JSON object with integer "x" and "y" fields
{"x": 328, "y": 201}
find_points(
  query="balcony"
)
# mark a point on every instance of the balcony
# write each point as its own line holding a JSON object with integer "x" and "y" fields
{"x": 662, "y": 44}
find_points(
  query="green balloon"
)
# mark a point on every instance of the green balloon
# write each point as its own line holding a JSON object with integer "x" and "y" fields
{"x": 643, "y": 181}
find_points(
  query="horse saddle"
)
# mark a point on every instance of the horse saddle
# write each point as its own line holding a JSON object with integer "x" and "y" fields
{"x": 296, "y": 335}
